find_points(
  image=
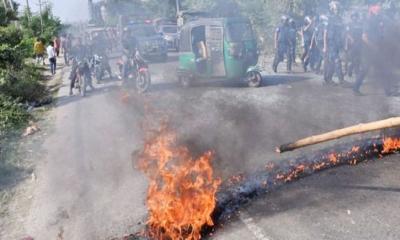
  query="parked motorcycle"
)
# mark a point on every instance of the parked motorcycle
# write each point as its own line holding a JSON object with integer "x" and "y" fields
{"x": 135, "y": 69}
{"x": 99, "y": 67}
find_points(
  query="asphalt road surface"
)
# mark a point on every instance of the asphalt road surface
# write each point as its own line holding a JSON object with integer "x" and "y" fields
{"x": 87, "y": 187}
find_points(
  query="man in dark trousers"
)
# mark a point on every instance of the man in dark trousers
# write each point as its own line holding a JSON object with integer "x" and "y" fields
{"x": 372, "y": 38}
{"x": 353, "y": 45}
{"x": 317, "y": 42}
{"x": 307, "y": 32}
{"x": 282, "y": 45}
{"x": 292, "y": 41}
{"x": 333, "y": 45}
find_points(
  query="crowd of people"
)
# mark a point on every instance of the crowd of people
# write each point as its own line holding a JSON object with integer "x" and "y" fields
{"x": 77, "y": 50}
{"x": 333, "y": 46}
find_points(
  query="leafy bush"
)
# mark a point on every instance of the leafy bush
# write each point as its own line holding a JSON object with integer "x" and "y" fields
{"x": 25, "y": 47}
{"x": 10, "y": 35}
{"x": 12, "y": 114}
{"x": 24, "y": 85}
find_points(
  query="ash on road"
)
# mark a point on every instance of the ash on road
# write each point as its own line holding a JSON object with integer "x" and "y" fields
{"x": 88, "y": 188}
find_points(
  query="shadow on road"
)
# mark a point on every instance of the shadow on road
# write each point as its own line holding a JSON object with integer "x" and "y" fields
{"x": 267, "y": 81}
{"x": 64, "y": 100}
{"x": 371, "y": 188}
{"x": 273, "y": 80}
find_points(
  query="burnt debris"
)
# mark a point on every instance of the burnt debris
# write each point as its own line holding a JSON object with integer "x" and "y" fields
{"x": 235, "y": 193}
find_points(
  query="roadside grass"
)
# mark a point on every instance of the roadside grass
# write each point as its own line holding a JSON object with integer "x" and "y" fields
{"x": 19, "y": 155}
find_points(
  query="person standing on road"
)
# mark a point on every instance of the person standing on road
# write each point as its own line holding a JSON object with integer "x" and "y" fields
{"x": 39, "y": 50}
{"x": 51, "y": 55}
{"x": 57, "y": 45}
{"x": 66, "y": 48}
{"x": 353, "y": 45}
{"x": 317, "y": 42}
{"x": 292, "y": 40}
{"x": 372, "y": 38}
{"x": 282, "y": 45}
{"x": 307, "y": 33}
{"x": 333, "y": 45}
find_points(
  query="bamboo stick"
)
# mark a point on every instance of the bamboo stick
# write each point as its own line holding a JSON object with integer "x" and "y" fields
{"x": 357, "y": 129}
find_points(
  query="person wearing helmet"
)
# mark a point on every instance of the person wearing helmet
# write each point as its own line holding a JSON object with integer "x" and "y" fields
{"x": 282, "y": 45}
{"x": 307, "y": 32}
{"x": 317, "y": 42}
{"x": 372, "y": 38}
{"x": 333, "y": 45}
{"x": 353, "y": 45}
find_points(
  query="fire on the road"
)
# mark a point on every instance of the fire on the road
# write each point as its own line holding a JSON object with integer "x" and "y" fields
{"x": 182, "y": 191}
{"x": 390, "y": 145}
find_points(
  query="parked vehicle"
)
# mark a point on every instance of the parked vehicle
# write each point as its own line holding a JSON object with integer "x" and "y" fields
{"x": 100, "y": 67}
{"x": 218, "y": 48}
{"x": 150, "y": 43}
{"x": 171, "y": 35}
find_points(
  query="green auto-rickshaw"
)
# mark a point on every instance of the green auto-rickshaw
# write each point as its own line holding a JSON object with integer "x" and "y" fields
{"x": 218, "y": 48}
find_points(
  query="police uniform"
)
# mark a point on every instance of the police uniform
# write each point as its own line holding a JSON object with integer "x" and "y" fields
{"x": 335, "y": 42}
{"x": 307, "y": 56}
{"x": 374, "y": 30}
{"x": 283, "y": 47}
{"x": 317, "y": 54}
{"x": 354, "y": 47}
{"x": 292, "y": 44}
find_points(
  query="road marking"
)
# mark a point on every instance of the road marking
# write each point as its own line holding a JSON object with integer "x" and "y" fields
{"x": 252, "y": 226}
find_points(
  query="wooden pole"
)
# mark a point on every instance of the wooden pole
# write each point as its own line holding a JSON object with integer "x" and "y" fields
{"x": 357, "y": 129}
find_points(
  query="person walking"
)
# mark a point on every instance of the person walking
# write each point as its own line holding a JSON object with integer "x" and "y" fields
{"x": 51, "y": 55}
{"x": 333, "y": 45}
{"x": 292, "y": 40}
{"x": 372, "y": 38}
{"x": 66, "y": 48}
{"x": 282, "y": 45}
{"x": 317, "y": 43}
{"x": 57, "y": 45}
{"x": 39, "y": 50}
{"x": 307, "y": 32}
{"x": 353, "y": 45}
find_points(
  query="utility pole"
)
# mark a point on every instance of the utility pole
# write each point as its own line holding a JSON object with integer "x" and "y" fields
{"x": 5, "y": 4}
{"x": 41, "y": 16}
{"x": 11, "y": 5}
{"x": 28, "y": 9}
{"x": 178, "y": 7}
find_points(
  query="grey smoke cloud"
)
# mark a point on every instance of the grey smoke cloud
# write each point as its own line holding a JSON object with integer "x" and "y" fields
{"x": 67, "y": 10}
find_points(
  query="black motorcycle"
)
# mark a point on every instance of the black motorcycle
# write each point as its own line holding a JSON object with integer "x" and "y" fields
{"x": 135, "y": 69}
{"x": 81, "y": 75}
{"x": 100, "y": 66}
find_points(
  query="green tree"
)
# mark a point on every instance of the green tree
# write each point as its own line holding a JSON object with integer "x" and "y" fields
{"x": 32, "y": 25}
{"x": 7, "y": 15}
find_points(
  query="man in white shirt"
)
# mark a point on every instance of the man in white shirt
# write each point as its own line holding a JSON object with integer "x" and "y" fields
{"x": 51, "y": 55}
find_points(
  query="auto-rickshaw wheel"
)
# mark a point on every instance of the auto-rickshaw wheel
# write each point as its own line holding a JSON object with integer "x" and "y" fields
{"x": 185, "y": 81}
{"x": 254, "y": 79}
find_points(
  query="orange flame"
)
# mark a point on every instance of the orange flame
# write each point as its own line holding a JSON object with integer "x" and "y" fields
{"x": 391, "y": 145}
{"x": 182, "y": 191}
{"x": 333, "y": 158}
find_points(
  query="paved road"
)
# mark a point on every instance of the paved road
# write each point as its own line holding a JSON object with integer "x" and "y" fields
{"x": 88, "y": 188}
